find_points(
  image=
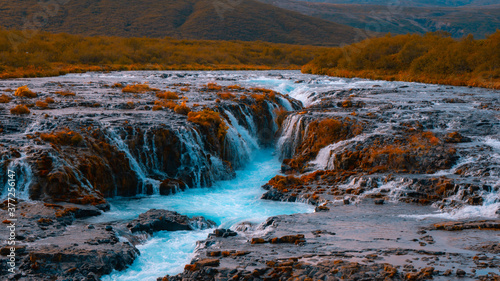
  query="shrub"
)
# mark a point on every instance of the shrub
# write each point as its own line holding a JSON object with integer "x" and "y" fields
{"x": 184, "y": 89}
{"x": 213, "y": 87}
{"x": 157, "y": 107}
{"x": 209, "y": 119}
{"x": 139, "y": 88}
{"x": 65, "y": 93}
{"x": 235, "y": 87}
{"x": 25, "y": 92}
{"x": 5, "y": 99}
{"x": 49, "y": 100}
{"x": 41, "y": 104}
{"x": 226, "y": 96}
{"x": 166, "y": 103}
{"x": 168, "y": 95}
{"x": 64, "y": 137}
{"x": 117, "y": 85}
{"x": 20, "y": 109}
{"x": 182, "y": 109}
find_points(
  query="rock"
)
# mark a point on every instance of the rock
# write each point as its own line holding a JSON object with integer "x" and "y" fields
{"x": 157, "y": 220}
{"x": 109, "y": 228}
{"x": 224, "y": 233}
{"x": 461, "y": 272}
{"x": 379, "y": 201}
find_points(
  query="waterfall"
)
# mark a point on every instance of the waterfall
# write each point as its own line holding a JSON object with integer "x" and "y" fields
{"x": 23, "y": 176}
{"x": 291, "y": 136}
{"x": 134, "y": 165}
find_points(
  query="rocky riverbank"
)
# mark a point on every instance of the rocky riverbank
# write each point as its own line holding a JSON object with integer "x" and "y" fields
{"x": 404, "y": 177}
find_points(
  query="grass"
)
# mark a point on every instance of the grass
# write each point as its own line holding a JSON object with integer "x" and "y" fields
{"x": 20, "y": 110}
{"x": 25, "y": 92}
{"x": 139, "y": 88}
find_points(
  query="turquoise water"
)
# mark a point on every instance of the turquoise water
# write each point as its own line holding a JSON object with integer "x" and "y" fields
{"x": 227, "y": 203}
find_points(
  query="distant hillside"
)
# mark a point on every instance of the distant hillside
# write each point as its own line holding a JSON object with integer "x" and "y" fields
{"x": 459, "y": 21}
{"x": 413, "y": 3}
{"x": 182, "y": 19}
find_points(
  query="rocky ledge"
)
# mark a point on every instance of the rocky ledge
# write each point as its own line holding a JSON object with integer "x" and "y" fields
{"x": 348, "y": 243}
{"x": 53, "y": 245}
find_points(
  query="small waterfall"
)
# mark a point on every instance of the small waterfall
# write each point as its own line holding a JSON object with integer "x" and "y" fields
{"x": 134, "y": 165}
{"x": 192, "y": 159}
{"x": 291, "y": 136}
{"x": 23, "y": 175}
{"x": 249, "y": 120}
{"x": 249, "y": 140}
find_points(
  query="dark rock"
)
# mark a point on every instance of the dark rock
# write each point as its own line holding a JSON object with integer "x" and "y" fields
{"x": 379, "y": 201}
{"x": 109, "y": 228}
{"x": 461, "y": 272}
{"x": 157, "y": 220}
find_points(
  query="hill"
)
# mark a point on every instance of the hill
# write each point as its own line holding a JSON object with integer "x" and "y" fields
{"x": 413, "y": 3}
{"x": 180, "y": 19}
{"x": 432, "y": 58}
{"x": 478, "y": 20}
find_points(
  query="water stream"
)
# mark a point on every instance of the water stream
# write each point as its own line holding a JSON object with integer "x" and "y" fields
{"x": 227, "y": 203}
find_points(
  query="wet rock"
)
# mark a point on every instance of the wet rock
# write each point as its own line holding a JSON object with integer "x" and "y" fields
{"x": 224, "y": 233}
{"x": 456, "y": 226}
{"x": 157, "y": 220}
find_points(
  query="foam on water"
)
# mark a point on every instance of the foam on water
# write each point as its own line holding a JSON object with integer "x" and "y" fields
{"x": 227, "y": 203}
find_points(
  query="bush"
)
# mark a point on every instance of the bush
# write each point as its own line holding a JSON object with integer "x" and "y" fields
{"x": 64, "y": 137}
{"x": 209, "y": 119}
{"x": 49, "y": 100}
{"x": 20, "y": 109}
{"x": 226, "y": 96}
{"x": 25, "y": 92}
{"x": 41, "y": 104}
{"x": 138, "y": 88}
{"x": 5, "y": 99}
{"x": 182, "y": 109}
{"x": 168, "y": 95}
{"x": 65, "y": 93}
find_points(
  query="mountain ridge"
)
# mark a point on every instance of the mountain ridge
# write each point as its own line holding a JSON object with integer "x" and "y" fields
{"x": 187, "y": 19}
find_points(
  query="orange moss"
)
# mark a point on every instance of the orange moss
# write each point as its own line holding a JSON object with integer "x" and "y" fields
{"x": 209, "y": 119}
{"x": 20, "y": 109}
{"x": 64, "y": 137}
{"x": 235, "y": 87}
{"x": 182, "y": 109}
{"x": 213, "y": 87}
{"x": 139, "y": 88}
{"x": 168, "y": 95}
{"x": 65, "y": 93}
{"x": 226, "y": 96}
{"x": 184, "y": 89}
{"x": 166, "y": 104}
{"x": 117, "y": 85}
{"x": 41, "y": 104}
{"x": 49, "y": 100}
{"x": 5, "y": 99}
{"x": 25, "y": 92}
{"x": 157, "y": 108}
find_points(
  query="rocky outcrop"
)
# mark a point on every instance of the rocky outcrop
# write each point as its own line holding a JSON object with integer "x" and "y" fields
{"x": 127, "y": 142}
{"x": 51, "y": 243}
{"x": 159, "y": 220}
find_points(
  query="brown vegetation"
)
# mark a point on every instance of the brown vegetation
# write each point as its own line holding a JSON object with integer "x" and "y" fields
{"x": 65, "y": 93}
{"x": 25, "y": 92}
{"x": 182, "y": 109}
{"x": 19, "y": 110}
{"x": 5, "y": 99}
{"x": 47, "y": 54}
{"x": 432, "y": 58}
{"x": 138, "y": 88}
{"x": 209, "y": 119}
{"x": 168, "y": 95}
{"x": 63, "y": 137}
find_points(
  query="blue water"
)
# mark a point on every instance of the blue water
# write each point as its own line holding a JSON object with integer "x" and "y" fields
{"x": 227, "y": 203}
